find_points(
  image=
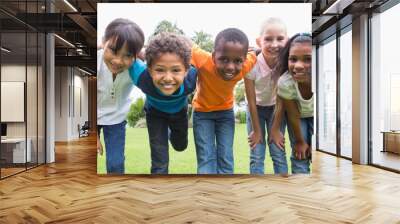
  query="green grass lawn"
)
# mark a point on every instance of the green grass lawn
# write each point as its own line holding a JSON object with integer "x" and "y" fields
{"x": 137, "y": 154}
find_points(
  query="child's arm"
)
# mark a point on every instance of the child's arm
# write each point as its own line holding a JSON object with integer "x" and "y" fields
{"x": 301, "y": 147}
{"x": 199, "y": 56}
{"x": 136, "y": 69}
{"x": 255, "y": 136}
{"x": 248, "y": 65}
{"x": 190, "y": 80}
{"x": 276, "y": 135}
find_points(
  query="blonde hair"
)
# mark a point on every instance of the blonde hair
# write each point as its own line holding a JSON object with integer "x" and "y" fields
{"x": 270, "y": 21}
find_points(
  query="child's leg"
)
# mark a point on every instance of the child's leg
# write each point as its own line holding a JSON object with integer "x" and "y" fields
{"x": 114, "y": 139}
{"x": 178, "y": 124}
{"x": 300, "y": 165}
{"x": 257, "y": 155}
{"x": 157, "y": 127}
{"x": 310, "y": 124}
{"x": 204, "y": 138}
{"x": 225, "y": 130}
{"x": 278, "y": 156}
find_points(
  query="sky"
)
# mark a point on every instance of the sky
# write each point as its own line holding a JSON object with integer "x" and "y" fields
{"x": 208, "y": 17}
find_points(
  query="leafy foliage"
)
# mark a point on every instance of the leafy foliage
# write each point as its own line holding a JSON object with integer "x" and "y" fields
{"x": 239, "y": 93}
{"x": 167, "y": 26}
{"x": 135, "y": 112}
{"x": 203, "y": 40}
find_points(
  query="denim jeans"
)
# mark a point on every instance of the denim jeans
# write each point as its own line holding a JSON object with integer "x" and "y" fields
{"x": 307, "y": 129}
{"x": 114, "y": 140}
{"x": 213, "y": 136}
{"x": 162, "y": 126}
{"x": 257, "y": 155}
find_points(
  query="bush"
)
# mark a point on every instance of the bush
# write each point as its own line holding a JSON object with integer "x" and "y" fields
{"x": 241, "y": 117}
{"x": 136, "y": 112}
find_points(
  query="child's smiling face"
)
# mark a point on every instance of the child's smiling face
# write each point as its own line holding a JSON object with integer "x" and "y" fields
{"x": 117, "y": 60}
{"x": 299, "y": 62}
{"x": 168, "y": 72}
{"x": 228, "y": 58}
{"x": 272, "y": 40}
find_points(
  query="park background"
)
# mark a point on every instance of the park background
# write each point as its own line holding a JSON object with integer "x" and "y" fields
{"x": 201, "y": 23}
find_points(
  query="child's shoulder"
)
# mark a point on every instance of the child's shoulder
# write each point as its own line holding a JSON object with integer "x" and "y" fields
{"x": 136, "y": 69}
{"x": 99, "y": 60}
{"x": 192, "y": 71}
{"x": 260, "y": 68}
{"x": 191, "y": 78}
{"x": 200, "y": 58}
{"x": 251, "y": 60}
{"x": 286, "y": 80}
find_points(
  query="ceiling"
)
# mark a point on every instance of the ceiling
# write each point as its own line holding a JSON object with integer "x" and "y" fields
{"x": 76, "y": 20}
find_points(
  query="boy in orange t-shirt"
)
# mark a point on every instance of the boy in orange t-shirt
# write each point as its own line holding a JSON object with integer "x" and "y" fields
{"x": 213, "y": 116}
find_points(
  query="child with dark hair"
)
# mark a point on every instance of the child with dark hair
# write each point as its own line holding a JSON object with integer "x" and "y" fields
{"x": 213, "y": 116}
{"x": 297, "y": 99}
{"x": 122, "y": 41}
{"x": 167, "y": 82}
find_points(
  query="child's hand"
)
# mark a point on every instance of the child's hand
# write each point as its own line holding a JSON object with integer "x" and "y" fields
{"x": 254, "y": 138}
{"x": 302, "y": 150}
{"x": 277, "y": 138}
{"x": 99, "y": 148}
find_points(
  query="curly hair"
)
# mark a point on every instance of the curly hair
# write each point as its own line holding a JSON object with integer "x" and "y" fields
{"x": 168, "y": 43}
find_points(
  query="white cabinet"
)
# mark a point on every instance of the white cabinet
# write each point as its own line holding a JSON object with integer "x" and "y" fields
{"x": 18, "y": 149}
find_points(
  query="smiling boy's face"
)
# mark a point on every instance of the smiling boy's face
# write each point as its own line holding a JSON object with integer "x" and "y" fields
{"x": 168, "y": 73}
{"x": 228, "y": 58}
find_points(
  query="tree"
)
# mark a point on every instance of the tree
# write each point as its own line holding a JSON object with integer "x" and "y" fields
{"x": 135, "y": 112}
{"x": 240, "y": 99}
{"x": 239, "y": 93}
{"x": 167, "y": 26}
{"x": 204, "y": 40}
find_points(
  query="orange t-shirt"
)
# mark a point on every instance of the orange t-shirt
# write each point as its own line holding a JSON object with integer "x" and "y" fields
{"x": 212, "y": 92}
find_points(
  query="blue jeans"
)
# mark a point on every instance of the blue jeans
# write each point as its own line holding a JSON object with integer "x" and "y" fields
{"x": 257, "y": 155}
{"x": 307, "y": 129}
{"x": 213, "y": 136}
{"x": 114, "y": 140}
{"x": 161, "y": 127}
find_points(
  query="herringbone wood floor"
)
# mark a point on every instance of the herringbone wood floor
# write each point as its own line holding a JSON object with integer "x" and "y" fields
{"x": 70, "y": 191}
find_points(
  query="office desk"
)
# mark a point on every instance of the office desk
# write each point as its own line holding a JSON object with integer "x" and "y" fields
{"x": 391, "y": 141}
{"x": 16, "y": 147}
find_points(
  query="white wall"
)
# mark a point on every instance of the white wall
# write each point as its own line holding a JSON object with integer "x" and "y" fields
{"x": 50, "y": 96}
{"x": 70, "y": 84}
{"x": 81, "y": 83}
{"x": 61, "y": 103}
